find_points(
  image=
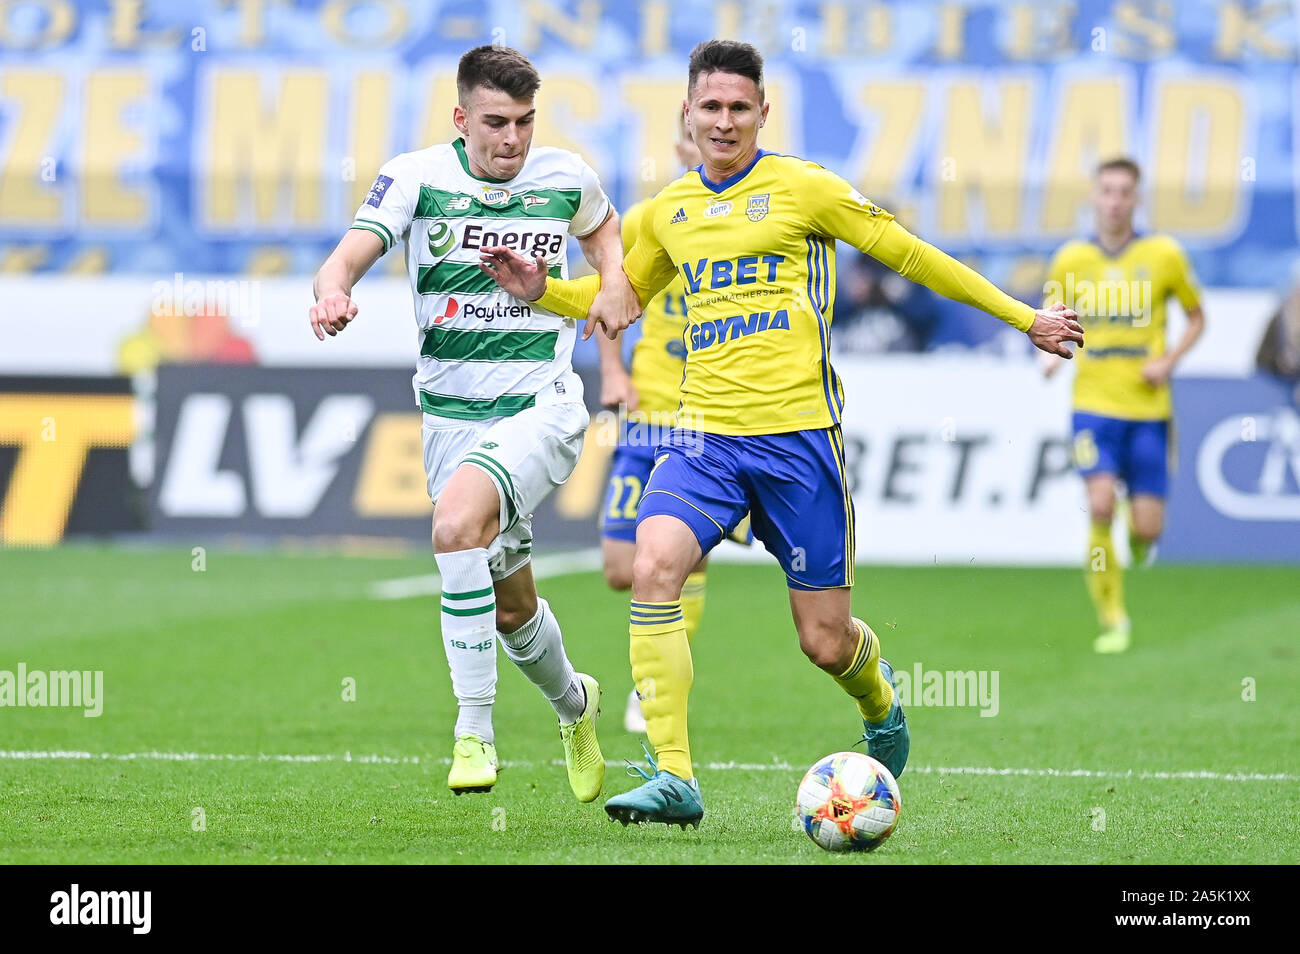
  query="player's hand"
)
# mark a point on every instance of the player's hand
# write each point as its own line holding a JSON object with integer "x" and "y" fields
{"x": 1053, "y": 327}
{"x": 1157, "y": 371}
{"x": 617, "y": 389}
{"x": 331, "y": 314}
{"x": 524, "y": 279}
{"x": 615, "y": 307}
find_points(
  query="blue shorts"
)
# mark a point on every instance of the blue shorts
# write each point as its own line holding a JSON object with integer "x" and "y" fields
{"x": 793, "y": 485}
{"x": 633, "y": 461}
{"x": 1137, "y": 452}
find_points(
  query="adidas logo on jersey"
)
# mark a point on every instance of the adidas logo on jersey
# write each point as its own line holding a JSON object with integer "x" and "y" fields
{"x": 679, "y": 217}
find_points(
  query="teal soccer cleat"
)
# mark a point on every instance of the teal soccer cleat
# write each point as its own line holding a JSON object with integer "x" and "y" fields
{"x": 888, "y": 742}
{"x": 662, "y": 798}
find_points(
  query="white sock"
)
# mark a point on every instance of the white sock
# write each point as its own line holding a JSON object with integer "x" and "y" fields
{"x": 469, "y": 624}
{"x": 537, "y": 648}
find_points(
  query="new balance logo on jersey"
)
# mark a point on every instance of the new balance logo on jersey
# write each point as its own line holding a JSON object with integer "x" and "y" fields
{"x": 737, "y": 326}
{"x": 460, "y": 203}
{"x": 679, "y": 216}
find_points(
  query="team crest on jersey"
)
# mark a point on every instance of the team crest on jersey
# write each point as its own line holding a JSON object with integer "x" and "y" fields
{"x": 678, "y": 216}
{"x": 532, "y": 200}
{"x": 377, "y": 191}
{"x": 495, "y": 196}
{"x": 756, "y": 207}
{"x": 460, "y": 203}
{"x": 441, "y": 239}
{"x": 716, "y": 209}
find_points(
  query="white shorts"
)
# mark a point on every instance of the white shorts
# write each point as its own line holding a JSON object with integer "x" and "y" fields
{"x": 526, "y": 456}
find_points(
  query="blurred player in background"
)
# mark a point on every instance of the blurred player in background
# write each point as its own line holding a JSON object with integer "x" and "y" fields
{"x": 1119, "y": 282}
{"x": 752, "y": 235}
{"x": 504, "y": 418}
{"x": 650, "y": 395}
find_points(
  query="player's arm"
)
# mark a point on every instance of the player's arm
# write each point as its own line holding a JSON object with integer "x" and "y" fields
{"x": 839, "y": 210}
{"x": 1158, "y": 371}
{"x": 616, "y": 385}
{"x": 615, "y": 305}
{"x": 647, "y": 267}
{"x": 384, "y": 218}
{"x": 350, "y": 260}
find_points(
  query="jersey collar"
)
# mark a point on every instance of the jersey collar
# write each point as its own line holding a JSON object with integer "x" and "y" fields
{"x": 459, "y": 146}
{"x": 1096, "y": 240}
{"x": 735, "y": 177}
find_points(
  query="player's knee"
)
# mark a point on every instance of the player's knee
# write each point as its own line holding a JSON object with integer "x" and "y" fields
{"x": 1103, "y": 511}
{"x": 827, "y": 646}
{"x": 457, "y": 530}
{"x": 654, "y": 574}
{"x": 618, "y": 575}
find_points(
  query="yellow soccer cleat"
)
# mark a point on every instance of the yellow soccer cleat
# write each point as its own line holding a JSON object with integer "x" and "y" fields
{"x": 582, "y": 755}
{"x": 1115, "y": 640}
{"x": 473, "y": 765}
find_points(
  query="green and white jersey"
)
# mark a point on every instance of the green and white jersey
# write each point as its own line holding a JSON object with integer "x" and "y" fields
{"x": 483, "y": 352}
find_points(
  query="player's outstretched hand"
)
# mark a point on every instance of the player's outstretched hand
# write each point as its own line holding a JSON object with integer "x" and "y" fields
{"x": 615, "y": 308}
{"x": 524, "y": 279}
{"x": 1053, "y": 327}
{"x": 617, "y": 390}
{"x": 331, "y": 314}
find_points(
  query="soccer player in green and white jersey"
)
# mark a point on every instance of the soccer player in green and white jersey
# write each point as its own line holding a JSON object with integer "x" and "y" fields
{"x": 504, "y": 418}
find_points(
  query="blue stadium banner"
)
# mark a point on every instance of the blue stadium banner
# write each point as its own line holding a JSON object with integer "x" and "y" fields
{"x": 238, "y": 136}
{"x": 1236, "y": 495}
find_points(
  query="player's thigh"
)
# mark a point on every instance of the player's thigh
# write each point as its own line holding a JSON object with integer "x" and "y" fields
{"x": 529, "y": 454}
{"x": 824, "y": 621}
{"x": 801, "y": 509}
{"x": 692, "y": 498}
{"x": 466, "y": 508}
{"x": 1098, "y": 454}
{"x": 628, "y": 473}
{"x": 1147, "y": 473}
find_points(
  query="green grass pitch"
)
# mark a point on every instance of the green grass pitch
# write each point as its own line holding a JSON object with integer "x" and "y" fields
{"x": 244, "y": 664}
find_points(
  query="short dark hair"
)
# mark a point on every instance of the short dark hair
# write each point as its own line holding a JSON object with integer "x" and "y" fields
{"x": 497, "y": 67}
{"x": 726, "y": 56}
{"x": 1121, "y": 162}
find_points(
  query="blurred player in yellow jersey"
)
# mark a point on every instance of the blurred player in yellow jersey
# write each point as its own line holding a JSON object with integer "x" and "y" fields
{"x": 649, "y": 396}
{"x": 1119, "y": 282}
{"x": 751, "y": 235}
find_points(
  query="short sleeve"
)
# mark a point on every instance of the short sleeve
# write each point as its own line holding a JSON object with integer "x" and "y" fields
{"x": 593, "y": 207}
{"x": 1183, "y": 279}
{"x": 389, "y": 206}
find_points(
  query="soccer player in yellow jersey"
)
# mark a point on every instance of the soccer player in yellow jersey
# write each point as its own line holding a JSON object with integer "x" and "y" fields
{"x": 649, "y": 395}
{"x": 751, "y": 234}
{"x": 1119, "y": 282}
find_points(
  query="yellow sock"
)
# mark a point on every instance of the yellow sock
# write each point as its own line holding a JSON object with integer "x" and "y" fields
{"x": 863, "y": 680}
{"x": 1105, "y": 577}
{"x": 693, "y": 602}
{"x": 662, "y": 673}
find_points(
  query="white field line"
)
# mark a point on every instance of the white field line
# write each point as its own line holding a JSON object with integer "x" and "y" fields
{"x": 775, "y": 766}
{"x": 430, "y": 584}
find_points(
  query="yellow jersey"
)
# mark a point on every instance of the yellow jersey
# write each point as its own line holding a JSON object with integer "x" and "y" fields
{"x": 659, "y": 356}
{"x": 755, "y": 254}
{"x": 1121, "y": 302}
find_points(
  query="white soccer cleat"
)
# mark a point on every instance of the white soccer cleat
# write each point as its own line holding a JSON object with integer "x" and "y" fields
{"x": 633, "y": 720}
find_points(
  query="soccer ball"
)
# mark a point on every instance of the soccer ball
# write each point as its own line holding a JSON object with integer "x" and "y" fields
{"x": 848, "y": 802}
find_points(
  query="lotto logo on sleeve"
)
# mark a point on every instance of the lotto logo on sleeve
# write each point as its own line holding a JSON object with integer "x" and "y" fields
{"x": 378, "y": 190}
